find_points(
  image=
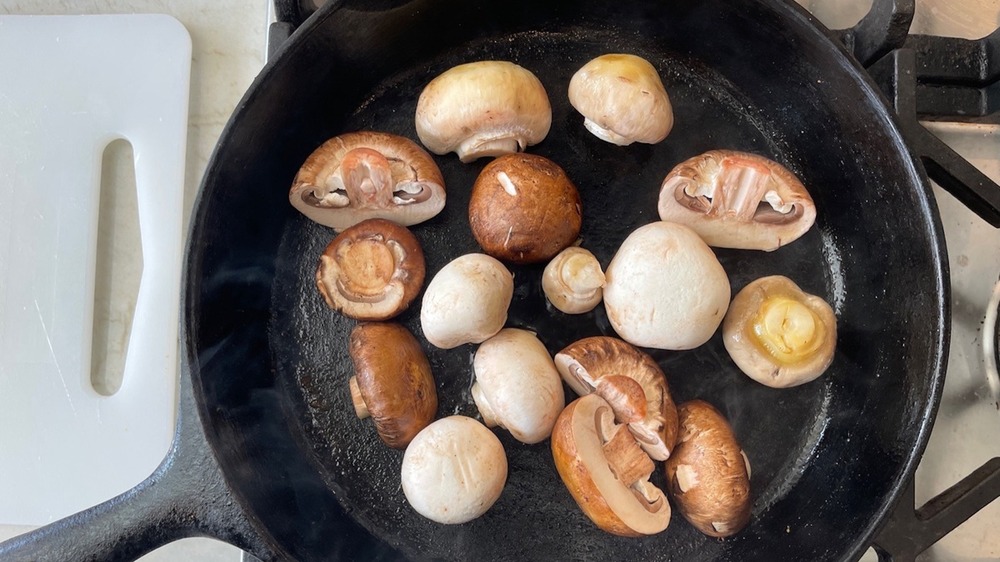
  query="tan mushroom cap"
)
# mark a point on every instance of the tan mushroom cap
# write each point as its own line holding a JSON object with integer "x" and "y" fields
{"x": 484, "y": 108}
{"x": 709, "y": 474}
{"x": 737, "y": 200}
{"x": 365, "y": 175}
{"x": 622, "y": 100}
{"x": 371, "y": 271}
{"x": 585, "y": 363}
{"x": 606, "y": 472}
{"x": 779, "y": 335}
{"x": 392, "y": 381}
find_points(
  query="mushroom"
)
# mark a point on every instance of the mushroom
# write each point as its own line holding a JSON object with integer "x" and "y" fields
{"x": 517, "y": 386}
{"x": 466, "y": 302}
{"x": 737, "y": 200}
{"x": 573, "y": 281}
{"x": 364, "y": 175}
{"x": 392, "y": 381}
{"x": 622, "y": 100}
{"x": 484, "y": 108}
{"x": 454, "y": 470}
{"x": 371, "y": 271}
{"x": 778, "y": 334}
{"x": 606, "y": 472}
{"x": 631, "y": 382}
{"x": 709, "y": 474}
{"x": 524, "y": 209}
{"x": 665, "y": 288}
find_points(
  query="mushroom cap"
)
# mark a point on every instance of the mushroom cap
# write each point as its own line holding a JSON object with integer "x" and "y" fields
{"x": 779, "y": 335}
{"x": 394, "y": 379}
{"x": 665, "y": 288}
{"x": 573, "y": 281}
{"x": 524, "y": 209}
{"x": 585, "y": 363}
{"x": 737, "y": 200}
{"x": 709, "y": 474}
{"x": 371, "y": 271}
{"x": 454, "y": 470}
{"x": 365, "y": 175}
{"x": 467, "y": 301}
{"x": 606, "y": 472}
{"x": 622, "y": 100}
{"x": 517, "y": 386}
{"x": 484, "y": 108}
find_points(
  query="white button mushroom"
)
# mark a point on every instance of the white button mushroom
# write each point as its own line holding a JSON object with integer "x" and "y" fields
{"x": 665, "y": 288}
{"x": 573, "y": 281}
{"x": 467, "y": 301}
{"x": 454, "y": 470}
{"x": 517, "y": 386}
{"x": 484, "y": 108}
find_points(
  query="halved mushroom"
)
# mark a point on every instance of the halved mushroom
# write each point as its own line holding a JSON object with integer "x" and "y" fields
{"x": 709, "y": 474}
{"x": 631, "y": 382}
{"x": 392, "y": 381}
{"x": 484, "y": 108}
{"x": 573, "y": 281}
{"x": 606, "y": 472}
{"x": 364, "y": 175}
{"x": 622, "y": 100}
{"x": 371, "y": 271}
{"x": 778, "y": 334}
{"x": 467, "y": 301}
{"x": 737, "y": 200}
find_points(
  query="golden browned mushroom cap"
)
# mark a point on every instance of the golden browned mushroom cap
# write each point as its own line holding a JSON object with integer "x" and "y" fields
{"x": 364, "y": 175}
{"x": 622, "y": 100}
{"x": 392, "y": 381}
{"x": 524, "y": 209}
{"x": 371, "y": 271}
{"x": 737, "y": 200}
{"x": 484, "y": 108}
{"x": 631, "y": 382}
{"x": 605, "y": 470}
{"x": 709, "y": 474}
{"x": 779, "y": 335}
{"x": 573, "y": 281}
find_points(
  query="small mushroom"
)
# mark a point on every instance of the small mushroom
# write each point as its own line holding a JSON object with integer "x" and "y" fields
{"x": 371, "y": 271}
{"x": 631, "y": 382}
{"x": 484, "y": 108}
{"x": 737, "y": 200}
{"x": 573, "y": 281}
{"x": 517, "y": 386}
{"x": 606, "y": 472}
{"x": 665, "y": 288}
{"x": 778, "y": 334}
{"x": 709, "y": 474}
{"x": 466, "y": 302}
{"x": 622, "y": 100}
{"x": 365, "y": 175}
{"x": 524, "y": 209}
{"x": 392, "y": 381}
{"x": 454, "y": 470}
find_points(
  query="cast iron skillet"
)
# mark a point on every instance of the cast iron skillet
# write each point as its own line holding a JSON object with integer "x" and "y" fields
{"x": 300, "y": 477}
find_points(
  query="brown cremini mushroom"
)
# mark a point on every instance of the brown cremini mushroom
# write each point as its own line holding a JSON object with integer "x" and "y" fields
{"x": 371, "y": 271}
{"x": 779, "y": 335}
{"x": 606, "y": 472}
{"x": 631, "y": 382}
{"x": 484, "y": 108}
{"x": 364, "y": 175}
{"x": 524, "y": 209}
{"x": 737, "y": 200}
{"x": 709, "y": 474}
{"x": 392, "y": 381}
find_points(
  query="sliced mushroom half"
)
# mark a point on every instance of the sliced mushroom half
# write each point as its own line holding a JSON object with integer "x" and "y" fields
{"x": 364, "y": 175}
{"x": 737, "y": 200}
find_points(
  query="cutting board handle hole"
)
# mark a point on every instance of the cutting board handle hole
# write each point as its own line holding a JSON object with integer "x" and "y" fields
{"x": 119, "y": 268}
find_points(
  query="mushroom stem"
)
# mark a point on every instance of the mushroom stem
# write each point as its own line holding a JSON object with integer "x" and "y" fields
{"x": 360, "y": 408}
{"x": 367, "y": 177}
{"x": 485, "y": 409}
{"x": 604, "y": 134}
{"x": 475, "y": 147}
{"x": 627, "y": 460}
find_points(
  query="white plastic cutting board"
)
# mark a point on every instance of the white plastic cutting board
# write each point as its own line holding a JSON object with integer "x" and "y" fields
{"x": 69, "y": 85}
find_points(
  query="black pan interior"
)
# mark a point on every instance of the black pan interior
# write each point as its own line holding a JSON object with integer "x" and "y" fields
{"x": 270, "y": 360}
